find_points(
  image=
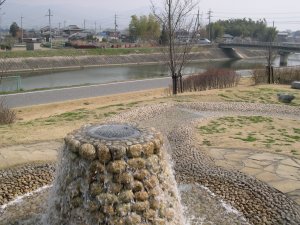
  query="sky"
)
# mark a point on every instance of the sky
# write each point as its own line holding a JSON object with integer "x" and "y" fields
{"x": 100, "y": 14}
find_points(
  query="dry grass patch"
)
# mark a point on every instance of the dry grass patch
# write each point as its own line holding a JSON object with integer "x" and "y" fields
{"x": 266, "y": 94}
{"x": 256, "y": 132}
{"x": 54, "y": 121}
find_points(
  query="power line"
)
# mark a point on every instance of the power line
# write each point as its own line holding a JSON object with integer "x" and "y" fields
{"x": 257, "y": 13}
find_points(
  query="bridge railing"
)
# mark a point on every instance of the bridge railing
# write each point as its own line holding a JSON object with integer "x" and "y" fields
{"x": 260, "y": 44}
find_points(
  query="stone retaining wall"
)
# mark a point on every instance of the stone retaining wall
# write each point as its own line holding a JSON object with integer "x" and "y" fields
{"x": 12, "y": 65}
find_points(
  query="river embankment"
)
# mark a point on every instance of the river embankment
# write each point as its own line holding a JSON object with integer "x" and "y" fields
{"x": 61, "y": 63}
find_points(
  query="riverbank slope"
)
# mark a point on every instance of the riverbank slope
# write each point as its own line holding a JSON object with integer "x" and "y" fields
{"x": 59, "y": 63}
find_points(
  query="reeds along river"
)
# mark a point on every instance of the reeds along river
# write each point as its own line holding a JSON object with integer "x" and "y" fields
{"x": 110, "y": 74}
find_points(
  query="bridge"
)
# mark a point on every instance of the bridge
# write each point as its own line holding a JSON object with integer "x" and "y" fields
{"x": 283, "y": 49}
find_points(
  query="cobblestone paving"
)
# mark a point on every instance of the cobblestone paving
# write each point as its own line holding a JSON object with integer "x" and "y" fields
{"x": 258, "y": 202}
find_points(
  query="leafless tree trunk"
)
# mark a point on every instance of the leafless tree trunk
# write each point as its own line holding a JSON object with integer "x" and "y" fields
{"x": 271, "y": 55}
{"x": 175, "y": 15}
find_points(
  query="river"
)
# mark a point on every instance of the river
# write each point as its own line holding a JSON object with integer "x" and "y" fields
{"x": 110, "y": 74}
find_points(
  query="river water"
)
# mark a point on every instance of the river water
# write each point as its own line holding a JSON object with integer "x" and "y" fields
{"x": 110, "y": 74}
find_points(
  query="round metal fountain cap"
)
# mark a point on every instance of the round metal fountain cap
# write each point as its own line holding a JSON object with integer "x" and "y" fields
{"x": 113, "y": 132}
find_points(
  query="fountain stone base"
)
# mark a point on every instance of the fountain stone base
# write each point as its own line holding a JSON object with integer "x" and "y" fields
{"x": 113, "y": 174}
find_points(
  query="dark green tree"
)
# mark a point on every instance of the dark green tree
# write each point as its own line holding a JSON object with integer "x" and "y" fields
{"x": 217, "y": 31}
{"x": 14, "y": 29}
{"x": 163, "y": 40}
{"x": 257, "y": 30}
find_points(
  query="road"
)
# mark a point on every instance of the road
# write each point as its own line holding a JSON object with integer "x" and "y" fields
{"x": 72, "y": 93}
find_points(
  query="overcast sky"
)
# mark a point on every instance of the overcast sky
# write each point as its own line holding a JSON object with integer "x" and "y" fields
{"x": 284, "y": 13}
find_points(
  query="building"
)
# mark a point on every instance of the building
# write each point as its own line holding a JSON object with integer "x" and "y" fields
{"x": 72, "y": 29}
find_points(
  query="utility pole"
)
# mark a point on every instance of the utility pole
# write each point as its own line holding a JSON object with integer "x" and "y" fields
{"x": 22, "y": 33}
{"x": 1, "y": 14}
{"x": 116, "y": 26}
{"x": 59, "y": 28}
{"x": 95, "y": 27}
{"x": 198, "y": 21}
{"x": 84, "y": 24}
{"x": 49, "y": 15}
{"x": 209, "y": 24}
{"x": 1, "y": 3}
{"x": 65, "y": 24}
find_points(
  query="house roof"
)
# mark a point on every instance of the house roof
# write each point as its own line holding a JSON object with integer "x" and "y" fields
{"x": 73, "y": 28}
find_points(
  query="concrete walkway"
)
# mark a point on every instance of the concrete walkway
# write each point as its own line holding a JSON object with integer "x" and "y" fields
{"x": 20, "y": 154}
{"x": 72, "y": 93}
{"x": 279, "y": 171}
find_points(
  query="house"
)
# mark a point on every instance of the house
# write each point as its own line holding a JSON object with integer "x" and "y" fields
{"x": 110, "y": 35}
{"x": 72, "y": 29}
{"x": 227, "y": 38}
{"x": 182, "y": 36}
{"x": 45, "y": 32}
{"x": 282, "y": 36}
{"x": 80, "y": 36}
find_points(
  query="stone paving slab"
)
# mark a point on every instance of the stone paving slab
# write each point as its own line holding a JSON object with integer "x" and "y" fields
{"x": 279, "y": 171}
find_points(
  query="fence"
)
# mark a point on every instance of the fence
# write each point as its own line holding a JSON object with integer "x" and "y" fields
{"x": 10, "y": 83}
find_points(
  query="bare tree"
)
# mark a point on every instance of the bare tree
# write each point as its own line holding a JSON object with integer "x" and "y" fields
{"x": 271, "y": 55}
{"x": 1, "y": 2}
{"x": 175, "y": 16}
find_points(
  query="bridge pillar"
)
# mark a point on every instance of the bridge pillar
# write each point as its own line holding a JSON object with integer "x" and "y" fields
{"x": 284, "y": 58}
{"x": 232, "y": 53}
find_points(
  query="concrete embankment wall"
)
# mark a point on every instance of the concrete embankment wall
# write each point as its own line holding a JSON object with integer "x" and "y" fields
{"x": 14, "y": 65}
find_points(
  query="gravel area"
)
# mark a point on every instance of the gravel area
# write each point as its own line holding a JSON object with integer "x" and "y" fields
{"x": 20, "y": 180}
{"x": 258, "y": 202}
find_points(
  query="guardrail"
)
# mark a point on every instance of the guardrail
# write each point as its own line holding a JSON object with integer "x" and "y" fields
{"x": 261, "y": 44}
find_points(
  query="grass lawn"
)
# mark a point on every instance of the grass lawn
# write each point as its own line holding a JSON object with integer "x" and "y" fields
{"x": 46, "y": 52}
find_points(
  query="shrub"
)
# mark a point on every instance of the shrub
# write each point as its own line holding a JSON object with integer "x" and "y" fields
{"x": 286, "y": 75}
{"x": 7, "y": 116}
{"x": 259, "y": 76}
{"x": 211, "y": 79}
{"x": 281, "y": 75}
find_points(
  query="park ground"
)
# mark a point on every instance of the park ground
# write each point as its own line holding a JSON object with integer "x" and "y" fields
{"x": 51, "y": 122}
{"x": 266, "y": 147}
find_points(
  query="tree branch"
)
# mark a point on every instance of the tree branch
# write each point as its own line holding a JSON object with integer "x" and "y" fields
{"x": 1, "y": 2}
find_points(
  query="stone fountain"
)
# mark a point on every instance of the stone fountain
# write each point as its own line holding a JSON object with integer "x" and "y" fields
{"x": 114, "y": 174}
